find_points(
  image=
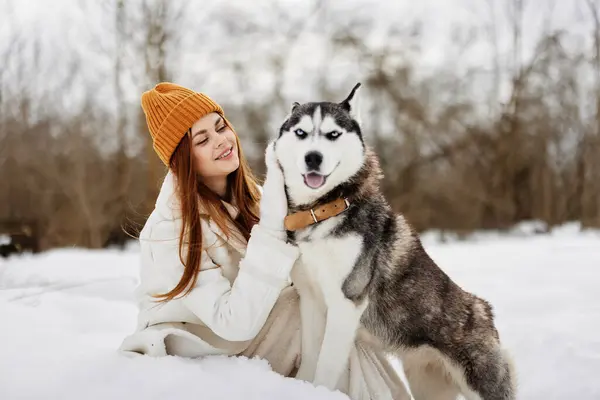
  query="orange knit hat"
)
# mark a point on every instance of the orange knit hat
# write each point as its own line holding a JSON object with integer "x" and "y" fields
{"x": 170, "y": 111}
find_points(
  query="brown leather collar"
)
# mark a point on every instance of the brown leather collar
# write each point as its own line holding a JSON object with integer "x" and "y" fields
{"x": 302, "y": 219}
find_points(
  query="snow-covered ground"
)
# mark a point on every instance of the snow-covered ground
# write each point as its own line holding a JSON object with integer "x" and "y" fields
{"x": 63, "y": 313}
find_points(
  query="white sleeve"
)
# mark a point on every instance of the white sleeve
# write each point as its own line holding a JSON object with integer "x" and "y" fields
{"x": 236, "y": 312}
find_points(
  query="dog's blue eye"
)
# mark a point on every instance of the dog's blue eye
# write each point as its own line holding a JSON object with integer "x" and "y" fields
{"x": 299, "y": 132}
{"x": 333, "y": 134}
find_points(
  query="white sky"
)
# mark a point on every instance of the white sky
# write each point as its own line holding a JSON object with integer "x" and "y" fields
{"x": 68, "y": 27}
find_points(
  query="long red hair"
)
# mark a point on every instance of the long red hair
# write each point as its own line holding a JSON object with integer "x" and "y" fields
{"x": 243, "y": 187}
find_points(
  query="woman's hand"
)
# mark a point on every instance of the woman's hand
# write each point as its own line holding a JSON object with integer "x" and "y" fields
{"x": 273, "y": 203}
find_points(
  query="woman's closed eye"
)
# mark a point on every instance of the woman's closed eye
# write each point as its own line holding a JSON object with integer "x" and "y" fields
{"x": 220, "y": 127}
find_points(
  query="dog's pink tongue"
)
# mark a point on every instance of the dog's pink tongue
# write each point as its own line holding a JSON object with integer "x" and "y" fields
{"x": 315, "y": 180}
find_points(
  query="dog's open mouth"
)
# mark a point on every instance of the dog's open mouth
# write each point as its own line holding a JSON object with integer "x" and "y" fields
{"x": 314, "y": 180}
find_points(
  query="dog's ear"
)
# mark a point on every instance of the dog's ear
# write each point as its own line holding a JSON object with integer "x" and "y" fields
{"x": 294, "y": 106}
{"x": 350, "y": 103}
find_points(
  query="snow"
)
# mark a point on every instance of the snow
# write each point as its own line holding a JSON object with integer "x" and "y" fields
{"x": 65, "y": 312}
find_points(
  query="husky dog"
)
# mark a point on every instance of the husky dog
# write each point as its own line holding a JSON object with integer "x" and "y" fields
{"x": 363, "y": 267}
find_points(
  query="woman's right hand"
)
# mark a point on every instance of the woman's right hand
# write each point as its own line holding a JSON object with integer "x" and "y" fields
{"x": 273, "y": 203}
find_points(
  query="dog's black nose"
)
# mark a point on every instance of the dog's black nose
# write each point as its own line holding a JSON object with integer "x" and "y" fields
{"x": 313, "y": 160}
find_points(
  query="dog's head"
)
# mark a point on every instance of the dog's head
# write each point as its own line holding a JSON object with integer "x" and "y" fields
{"x": 320, "y": 145}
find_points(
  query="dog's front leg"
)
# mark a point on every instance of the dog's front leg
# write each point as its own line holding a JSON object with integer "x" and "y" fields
{"x": 312, "y": 317}
{"x": 313, "y": 328}
{"x": 343, "y": 320}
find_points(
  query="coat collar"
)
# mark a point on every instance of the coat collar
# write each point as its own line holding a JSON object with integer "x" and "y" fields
{"x": 167, "y": 204}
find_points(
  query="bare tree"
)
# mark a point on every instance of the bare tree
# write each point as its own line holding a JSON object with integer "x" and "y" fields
{"x": 590, "y": 151}
{"x": 73, "y": 167}
{"x": 123, "y": 163}
{"x": 159, "y": 21}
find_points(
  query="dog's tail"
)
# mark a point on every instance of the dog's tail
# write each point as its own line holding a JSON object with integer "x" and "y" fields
{"x": 511, "y": 376}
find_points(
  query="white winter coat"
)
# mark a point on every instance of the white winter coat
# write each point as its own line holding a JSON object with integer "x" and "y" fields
{"x": 236, "y": 289}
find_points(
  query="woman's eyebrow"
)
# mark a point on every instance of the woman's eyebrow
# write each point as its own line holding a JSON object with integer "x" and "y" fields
{"x": 201, "y": 131}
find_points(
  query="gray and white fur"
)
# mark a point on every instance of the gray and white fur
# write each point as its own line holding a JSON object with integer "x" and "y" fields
{"x": 366, "y": 269}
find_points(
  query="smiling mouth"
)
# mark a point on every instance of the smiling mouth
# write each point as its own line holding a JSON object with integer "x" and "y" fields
{"x": 225, "y": 154}
{"x": 315, "y": 180}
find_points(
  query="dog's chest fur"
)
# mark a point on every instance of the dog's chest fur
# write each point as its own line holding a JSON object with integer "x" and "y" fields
{"x": 326, "y": 261}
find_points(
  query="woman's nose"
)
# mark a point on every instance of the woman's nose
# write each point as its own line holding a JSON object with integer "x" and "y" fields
{"x": 220, "y": 140}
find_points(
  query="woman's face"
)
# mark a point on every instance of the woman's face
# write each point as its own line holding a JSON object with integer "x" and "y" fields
{"x": 214, "y": 148}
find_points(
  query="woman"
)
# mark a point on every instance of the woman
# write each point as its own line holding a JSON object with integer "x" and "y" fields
{"x": 215, "y": 267}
